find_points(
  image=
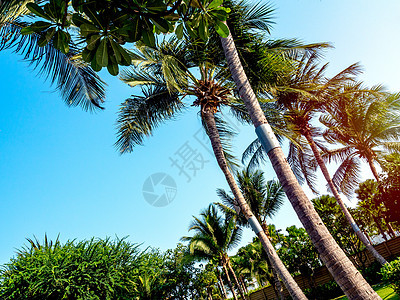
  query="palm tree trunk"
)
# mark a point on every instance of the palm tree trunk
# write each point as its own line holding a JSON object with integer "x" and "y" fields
{"x": 221, "y": 283}
{"x": 373, "y": 169}
{"x": 343, "y": 271}
{"x": 243, "y": 284}
{"x": 284, "y": 274}
{"x": 228, "y": 279}
{"x": 339, "y": 200}
{"x": 236, "y": 280}
{"x": 277, "y": 283}
{"x": 380, "y": 229}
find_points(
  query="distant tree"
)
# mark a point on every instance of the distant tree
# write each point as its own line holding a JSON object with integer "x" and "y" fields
{"x": 264, "y": 199}
{"x": 298, "y": 253}
{"x": 389, "y": 188}
{"x": 214, "y": 236}
{"x": 368, "y": 193}
{"x": 339, "y": 228}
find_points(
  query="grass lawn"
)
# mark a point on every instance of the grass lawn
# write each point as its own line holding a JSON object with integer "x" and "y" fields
{"x": 383, "y": 290}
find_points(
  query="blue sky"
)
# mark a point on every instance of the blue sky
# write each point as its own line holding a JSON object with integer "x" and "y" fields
{"x": 60, "y": 173}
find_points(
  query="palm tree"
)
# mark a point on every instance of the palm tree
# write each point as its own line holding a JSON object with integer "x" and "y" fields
{"x": 214, "y": 237}
{"x": 264, "y": 200}
{"x": 341, "y": 268}
{"x": 308, "y": 93}
{"x": 77, "y": 83}
{"x": 367, "y": 125}
{"x": 165, "y": 72}
{"x": 252, "y": 260}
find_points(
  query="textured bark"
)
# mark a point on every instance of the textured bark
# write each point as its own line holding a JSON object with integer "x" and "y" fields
{"x": 221, "y": 283}
{"x": 243, "y": 284}
{"x": 236, "y": 280}
{"x": 284, "y": 274}
{"x": 343, "y": 271}
{"x": 228, "y": 279}
{"x": 277, "y": 283}
{"x": 373, "y": 169}
{"x": 340, "y": 202}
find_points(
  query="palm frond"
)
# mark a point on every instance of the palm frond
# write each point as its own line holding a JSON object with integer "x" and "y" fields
{"x": 303, "y": 164}
{"x": 346, "y": 177}
{"x": 257, "y": 16}
{"x": 140, "y": 115}
{"x": 77, "y": 83}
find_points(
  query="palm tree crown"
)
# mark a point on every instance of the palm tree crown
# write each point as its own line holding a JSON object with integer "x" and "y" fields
{"x": 367, "y": 125}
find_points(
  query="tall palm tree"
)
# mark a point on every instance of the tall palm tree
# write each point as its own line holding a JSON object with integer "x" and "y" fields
{"x": 309, "y": 92}
{"x": 214, "y": 237}
{"x": 367, "y": 125}
{"x": 264, "y": 200}
{"x": 341, "y": 268}
{"x": 165, "y": 72}
{"x": 77, "y": 83}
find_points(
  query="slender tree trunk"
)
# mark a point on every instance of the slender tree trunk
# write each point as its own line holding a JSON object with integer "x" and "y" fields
{"x": 391, "y": 231}
{"x": 380, "y": 229}
{"x": 373, "y": 169}
{"x": 343, "y": 271}
{"x": 339, "y": 200}
{"x": 209, "y": 293}
{"x": 228, "y": 279}
{"x": 236, "y": 280}
{"x": 284, "y": 274}
{"x": 243, "y": 284}
{"x": 277, "y": 283}
{"x": 222, "y": 286}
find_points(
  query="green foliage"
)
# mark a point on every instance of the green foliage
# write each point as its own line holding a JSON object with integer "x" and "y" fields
{"x": 214, "y": 235}
{"x": 366, "y": 123}
{"x": 75, "y": 80}
{"x": 105, "y": 25}
{"x": 325, "y": 291}
{"x": 297, "y": 252}
{"x": 94, "y": 269}
{"x": 372, "y": 274}
{"x": 373, "y": 213}
{"x": 389, "y": 188}
{"x": 391, "y": 273}
{"x": 102, "y": 269}
{"x": 338, "y": 226}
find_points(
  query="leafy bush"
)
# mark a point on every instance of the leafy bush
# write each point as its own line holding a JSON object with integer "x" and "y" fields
{"x": 94, "y": 269}
{"x": 391, "y": 273}
{"x": 372, "y": 273}
{"x": 325, "y": 291}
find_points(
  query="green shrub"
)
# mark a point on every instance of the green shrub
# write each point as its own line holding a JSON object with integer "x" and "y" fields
{"x": 372, "y": 273}
{"x": 325, "y": 291}
{"x": 94, "y": 269}
{"x": 391, "y": 274}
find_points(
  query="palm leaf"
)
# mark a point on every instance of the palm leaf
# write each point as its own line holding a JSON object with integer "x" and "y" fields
{"x": 346, "y": 177}
{"x": 140, "y": 115}
{"x": 78, "y": 84}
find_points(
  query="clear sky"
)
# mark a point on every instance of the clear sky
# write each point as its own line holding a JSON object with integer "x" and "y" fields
{"x": 60, "y": 173}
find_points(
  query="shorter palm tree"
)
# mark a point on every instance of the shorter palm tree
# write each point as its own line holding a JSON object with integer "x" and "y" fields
{"x": 214, "y": 237}
{"x": 264, "y": 200}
